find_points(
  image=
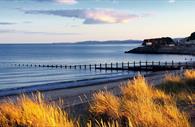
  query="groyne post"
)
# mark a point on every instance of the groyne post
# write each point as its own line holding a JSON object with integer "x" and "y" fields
{"x": 146, "y": 64}
{"x": 172, "y": 66}
{"x": 134, "y": 64}
{"x": 85, "y": 67}
{"x": 90, "y": 66}
{"x": 140, "y": 64}
{"x": 117, "y": 66}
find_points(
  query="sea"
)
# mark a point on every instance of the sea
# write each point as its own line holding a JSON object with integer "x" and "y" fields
{"x": 12, "y": 76}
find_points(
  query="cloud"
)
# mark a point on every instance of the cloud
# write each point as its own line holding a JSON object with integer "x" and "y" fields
{"x": 67, "y": 1}
{"x": 172, "y": 1}
{"x": 90, "y": 16}
{"x": 27, "y": 22}
{"x": 7, "y": 23}
{"x": 32, "y": 32}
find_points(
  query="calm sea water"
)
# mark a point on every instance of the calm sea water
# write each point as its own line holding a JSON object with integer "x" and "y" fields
{"x": 11, "y": 76}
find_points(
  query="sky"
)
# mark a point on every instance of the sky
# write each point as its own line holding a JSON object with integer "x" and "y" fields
{"x": 45, "y": 21}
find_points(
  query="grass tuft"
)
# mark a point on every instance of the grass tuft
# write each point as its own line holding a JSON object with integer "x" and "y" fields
{"x": 26, "y": 112}
{"x": 106, "y": 103}
{"x": 144, "y": 106}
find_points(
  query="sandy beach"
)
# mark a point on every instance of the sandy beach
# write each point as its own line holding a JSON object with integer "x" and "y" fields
{"x": 82, "y": 94}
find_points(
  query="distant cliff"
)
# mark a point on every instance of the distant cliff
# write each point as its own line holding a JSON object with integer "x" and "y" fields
{"x": 103, "y": 42}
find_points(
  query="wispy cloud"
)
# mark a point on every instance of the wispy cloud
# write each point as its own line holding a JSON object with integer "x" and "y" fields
{"x": 33, "y": 32}
{"x": 27, "y": 22}
{"x": 171, "y": 1}
{"x": 7, "y": 23}
{"x": 67, "y": 1}
{"x": 90, "y": 16}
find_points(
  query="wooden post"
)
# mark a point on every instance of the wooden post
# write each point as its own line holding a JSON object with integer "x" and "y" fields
{"x": 100, "y": 66}
{"x": 128, "y": 65}
{"x": 134, "y": 64}
{"x": 146, "y": 65}
{"x": 85, "y": 66}
{"x": 95, "y": 66}
{"x": 159, "y": 68}
{"x": 111, "y": 66}
{"x": 122, "y": 65}
{"x": 90, "y": 66}
{"x": 172, "y": 64}
{"x": 106, "y": 66}
{"x": 166, "y": 63}
{"x": 140, "y": 64}
{"x": 117, "y": 65}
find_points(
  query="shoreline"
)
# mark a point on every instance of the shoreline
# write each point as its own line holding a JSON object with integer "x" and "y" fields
{"x": 77, "y": 95}
{"x": 61, "y": 85}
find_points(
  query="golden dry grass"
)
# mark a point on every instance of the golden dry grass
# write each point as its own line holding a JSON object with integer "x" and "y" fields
{"x": 140, "y": 105}
{"x": 144, "y": 106}
{"x": 106, "y": 103}
{"x": 26, "y": 112}
{"x": 189, "y": 74}
{"x": 182, "y": 88}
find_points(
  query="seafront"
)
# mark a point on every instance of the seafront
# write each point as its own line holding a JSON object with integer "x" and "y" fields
{"x": 81, "y": 91}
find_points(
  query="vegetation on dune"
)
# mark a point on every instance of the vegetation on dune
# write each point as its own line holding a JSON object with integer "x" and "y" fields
{"x": 182, "y": 87}
{"x": 143, "y": 105}
{"x": 139, "y": 105}
{"x": 26, "y": 112}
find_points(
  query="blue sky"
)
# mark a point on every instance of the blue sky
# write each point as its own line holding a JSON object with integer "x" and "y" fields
{"x": 27, "y": 21}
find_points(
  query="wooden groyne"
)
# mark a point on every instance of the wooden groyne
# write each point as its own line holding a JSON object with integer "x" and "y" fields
{"x": 130, "y": 66}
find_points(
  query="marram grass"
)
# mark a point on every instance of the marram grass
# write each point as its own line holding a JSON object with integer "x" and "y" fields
{"x": 26, "y": 112}
{"x": 142, "y": 104}
{"x": 139, "y": 105}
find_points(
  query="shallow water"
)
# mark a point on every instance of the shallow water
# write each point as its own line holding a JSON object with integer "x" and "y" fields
{"x": 13, "y": 76}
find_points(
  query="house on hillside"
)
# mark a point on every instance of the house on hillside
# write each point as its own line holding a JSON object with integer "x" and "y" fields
{"x": 158, "y": 42}
{"x": 191, "y": 39}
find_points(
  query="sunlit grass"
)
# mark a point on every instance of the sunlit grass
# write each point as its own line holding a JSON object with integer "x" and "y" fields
{"x": 145, "y": 106}
{"x": 139, "y": 105}
{"x": 106, "y": 103}
{"x": 26, "y": 112}
{"x": 182, "y": 88}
